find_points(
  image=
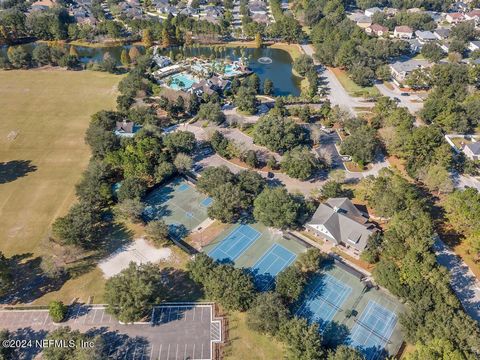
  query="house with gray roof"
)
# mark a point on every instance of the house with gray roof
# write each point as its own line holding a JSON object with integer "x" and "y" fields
{"x": 340, "y": 222}
{"x": 401, "y": 69}
{"x": 425, "y": 36}
{"x": 472, "y": 150}
{"x": 126, "y": 128}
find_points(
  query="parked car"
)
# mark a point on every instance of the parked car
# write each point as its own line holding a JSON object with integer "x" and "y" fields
{"x": 405, "y": 94}
{"x": 270, "y": 175}
{"x": 397, "y": 100}
{"x": 346, "y": 158}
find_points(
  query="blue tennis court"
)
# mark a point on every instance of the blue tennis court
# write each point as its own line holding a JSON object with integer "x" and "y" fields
{"x": 372, "y": 331}
{"x": 270, "y": 264}
{"x": 235, "y": 243}
{"x": 325, "y": 300}
{"x": 183, "y": 187}
{"x": 206, "y": 202}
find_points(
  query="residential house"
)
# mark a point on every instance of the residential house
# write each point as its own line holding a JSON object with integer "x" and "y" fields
{"x": 473, "y": 15}
{"x": 340, "y": 222}
{"x": 202, "y": 87}
{"x": 425, "y": 36}
{"x": 401, "y": 69}
{"x": 261, "y": 18}
{"x": 257, "y": 7}
{"x": 403, "y": 32}
{"x": 218, "y": 83}
{"x": 372, "y": 11}
{"x": 474, "y": 45}
{"x": 442, "y": 33}
{"x": 377, "y": 30}
{"x": 126, "y": 128}
{"x": 415, "y": 46}
{"x": 454, "y": 18}
{"x": 472, "y": 150}
{"x": 364, "y": 21}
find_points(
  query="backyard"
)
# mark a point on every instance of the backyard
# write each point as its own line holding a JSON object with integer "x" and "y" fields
{"x": 42, "y": 151}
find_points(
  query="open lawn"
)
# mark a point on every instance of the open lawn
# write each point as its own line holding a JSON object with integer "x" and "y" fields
{"x": 248, "y": 344}
{"x": 43, "y": 118}
{"x": 352, "y": 88}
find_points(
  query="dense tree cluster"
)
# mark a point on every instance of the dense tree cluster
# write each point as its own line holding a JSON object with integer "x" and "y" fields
{"x": 231, "y": 287}
{"x": 232, "y": 194}
{"x": 278, "y": 133}
{"x": 408, "y": 268}
{"x": 131, "y": 294}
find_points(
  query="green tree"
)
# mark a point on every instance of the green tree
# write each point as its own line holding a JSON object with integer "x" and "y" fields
{"x": 344, "y": 352}
{"x": 309, "y": 261}
{"x": 125, "y": 58}
{"x": 267, "y": 313}
{"x": 212, "y": 112}
{"x": 290, "y": 283}
{"x": 436, "y": 349}
{"x": 331, "y": 189}
{"x": 180, "y": 142}
{"x": 276, "y": 207}
{"x": 57, "y": 311}
{"x": 214, "y": 177}
{"x": 41, "y": 54}
{"x": 77, "y": 352}
{"x": 258, "y": 40}
{"x": 246, "y": 101}
{"x": 130, "y": 210}
{"x": 18, "y": 57}
{"x": 183, "y": 162}
{"x": 6, "y": 277}
{"x": 147, "y": 38}
{"x": 131, "y": 294}
{"x": 220, "y": 144}
{"x": 81, "y": 226}
{"x": 299, "y": 163}
{"x": 303, "y": 64}
{"x": 279, "y": 134}
{"x": 268, "y": 87}
{"x": 432, "y": 52}
{"x": 362, "y": 145}
{"x": 303, "y": 341}
{"x": 164, "y": 171}
{"x": 228, "y": 203}
{"x": 157, "y": 232}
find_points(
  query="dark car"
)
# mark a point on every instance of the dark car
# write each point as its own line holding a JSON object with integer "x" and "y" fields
{"x": 270, "y": 175}
{"x": 405, "y": 94}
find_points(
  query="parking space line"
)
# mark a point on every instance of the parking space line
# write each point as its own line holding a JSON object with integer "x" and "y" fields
{"x": 103, "y": 313}
{"x": 76, "y": 316}
{"x": 194, "y": 313}
{"x": 160, "y": 352}
{"x": 45, "y": 320}
{"x": 151, "y": 351}
{"x": 135, "y": 350}
{"x": 202, "y": 352}
{"x": 201, "y": 317}
{"x": 176, "y": 353}
{"x": 94, "y": 314}
{"x": 185, "y": 352}
{"x": 168, "y": 352}
{"x": 193, "y": 353}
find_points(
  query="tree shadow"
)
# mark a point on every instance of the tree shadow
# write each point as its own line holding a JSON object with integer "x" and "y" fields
{"x": 12, "y": 170}
{"x": 335, "y": 334}
{"x": 27, "y": 333}
{"x": 29, "y": 281}
{"x": 180, "y": 286}
{"x": 118, "y": 345}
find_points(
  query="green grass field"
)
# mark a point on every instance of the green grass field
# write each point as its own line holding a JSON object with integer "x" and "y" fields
{"x": 352, "y": 88}
{"x": 49, "y": 111}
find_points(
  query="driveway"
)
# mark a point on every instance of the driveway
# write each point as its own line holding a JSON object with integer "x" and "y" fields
{"x": 176, "y": 331}
{"x": 463, "y": 281}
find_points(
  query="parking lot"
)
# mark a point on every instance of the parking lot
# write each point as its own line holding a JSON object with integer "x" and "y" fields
{"x": 173, "y": 331}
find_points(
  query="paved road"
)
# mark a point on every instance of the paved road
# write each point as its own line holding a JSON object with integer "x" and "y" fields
{"x": 463, "y": 281}
{"x": 463, "y": 181}
{"x": 337, "y": 93}
{"x": 175, "y": 332}
{"x": 405, "y": 101}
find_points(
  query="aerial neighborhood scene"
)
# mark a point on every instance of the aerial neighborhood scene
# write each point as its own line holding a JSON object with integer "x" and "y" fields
{"x": 240, "y": 179}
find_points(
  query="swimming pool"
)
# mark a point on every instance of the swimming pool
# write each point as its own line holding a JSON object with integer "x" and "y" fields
{"x": 182, "y": 81}
{"x": 230, "y": 70}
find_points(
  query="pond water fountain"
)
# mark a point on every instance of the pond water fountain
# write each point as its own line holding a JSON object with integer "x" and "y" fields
{"x": 265, "y": 60}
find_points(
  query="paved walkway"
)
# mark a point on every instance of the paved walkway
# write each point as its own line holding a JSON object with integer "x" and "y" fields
{"x": 463, "y": 281}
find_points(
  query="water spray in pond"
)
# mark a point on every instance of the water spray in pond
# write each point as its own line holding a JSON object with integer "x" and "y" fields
{"x": 265, "y": 60}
